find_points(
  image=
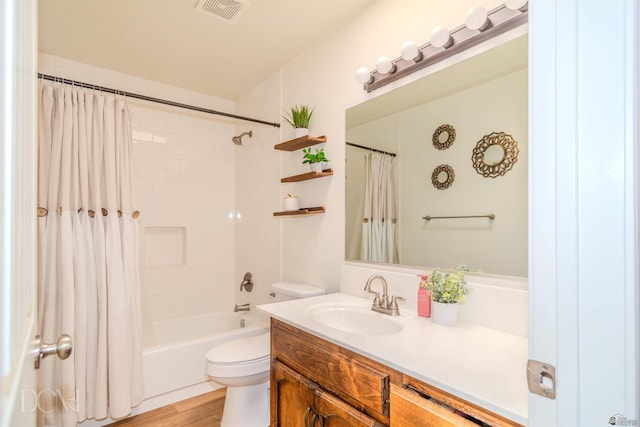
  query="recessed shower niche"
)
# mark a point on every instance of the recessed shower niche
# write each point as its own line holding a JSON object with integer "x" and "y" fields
{"x": 164, "y": 246}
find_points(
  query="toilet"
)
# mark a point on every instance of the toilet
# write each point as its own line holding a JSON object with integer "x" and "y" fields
{"x": 242, "y": 365}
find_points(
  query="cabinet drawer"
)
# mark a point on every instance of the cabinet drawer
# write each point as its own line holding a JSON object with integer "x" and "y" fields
{"x": 409, "y": 409}
{"x": 346, "y": 375}
{"x": 476, "y": 412}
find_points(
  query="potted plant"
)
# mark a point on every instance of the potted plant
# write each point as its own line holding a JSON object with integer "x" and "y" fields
{"x": 299, "y": 118}
{"x": 315, "y": 160}
{"x": 447, "y": 289}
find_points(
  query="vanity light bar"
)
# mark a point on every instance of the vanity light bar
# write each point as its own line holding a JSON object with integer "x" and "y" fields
{"x": 499, "y": 20}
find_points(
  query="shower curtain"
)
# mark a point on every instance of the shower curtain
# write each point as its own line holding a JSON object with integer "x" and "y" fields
{"x": 379, "y": 211}
{"x": 88, "y": 271}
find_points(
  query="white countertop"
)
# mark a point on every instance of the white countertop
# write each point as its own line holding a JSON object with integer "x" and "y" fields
{"x": 481, "y": 365}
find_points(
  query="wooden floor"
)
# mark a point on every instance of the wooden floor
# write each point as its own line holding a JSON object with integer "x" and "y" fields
{"x": 200, "y": 411}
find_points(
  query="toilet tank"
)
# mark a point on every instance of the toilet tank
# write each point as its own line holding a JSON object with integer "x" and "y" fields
{"x": 285, "y": 291}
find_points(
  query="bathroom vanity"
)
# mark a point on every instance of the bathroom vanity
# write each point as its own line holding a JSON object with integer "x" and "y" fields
{"x": 418, "y": 374}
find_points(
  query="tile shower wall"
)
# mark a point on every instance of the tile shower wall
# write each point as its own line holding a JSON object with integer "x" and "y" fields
{"x": 184, "y": 175}
{"x": 184, "y": 178}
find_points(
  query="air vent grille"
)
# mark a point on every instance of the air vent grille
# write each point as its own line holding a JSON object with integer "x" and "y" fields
{"x": 227, "y": 10}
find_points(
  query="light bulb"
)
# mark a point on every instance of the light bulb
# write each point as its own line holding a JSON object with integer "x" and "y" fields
{"x": 478, "y": 19}
{"x": 364, "y": 76}
{"x": 385, "y": 66}
{"x": 410, "y": 52}
{"x": 440, "y": 37}
{"x": 516, "y": 4}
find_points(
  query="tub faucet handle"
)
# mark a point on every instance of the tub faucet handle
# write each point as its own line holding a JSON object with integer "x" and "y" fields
{"x": 247, "y": 282}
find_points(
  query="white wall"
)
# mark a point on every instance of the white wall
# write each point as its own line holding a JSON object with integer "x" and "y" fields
{"x": 184, "y": 165}
{"x": 324, "y": 77}
{"x": 258, "y": 194}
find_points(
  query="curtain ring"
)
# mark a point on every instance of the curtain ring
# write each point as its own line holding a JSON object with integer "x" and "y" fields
{"x": 135, "y": 215}
{"x": 91, "y": 213}
{"x": 105, "y": 212}
{"x": 42, "y": 212}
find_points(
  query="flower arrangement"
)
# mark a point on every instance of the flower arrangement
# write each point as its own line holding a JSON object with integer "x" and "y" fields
{"x": 447, "y": 288}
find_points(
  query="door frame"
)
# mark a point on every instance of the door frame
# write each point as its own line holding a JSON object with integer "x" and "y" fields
{"x": 583, "y": 208}
{"x": 18, "y": 70}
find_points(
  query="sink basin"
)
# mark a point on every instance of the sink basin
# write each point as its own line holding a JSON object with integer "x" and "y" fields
{"x": 353, "y": 319}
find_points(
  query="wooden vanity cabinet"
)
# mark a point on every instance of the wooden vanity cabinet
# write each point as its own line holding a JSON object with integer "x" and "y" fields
{"x": 317, "y": 383}
{"x": 297, "y": 401}
{"x": 342, "y": 379}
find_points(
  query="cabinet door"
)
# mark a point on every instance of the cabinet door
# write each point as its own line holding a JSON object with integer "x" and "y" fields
{"x": 333, "y": 412}
{"x": 292, "y": 397}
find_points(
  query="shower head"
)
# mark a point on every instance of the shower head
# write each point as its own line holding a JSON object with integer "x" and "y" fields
{"x": 238, "y": 139}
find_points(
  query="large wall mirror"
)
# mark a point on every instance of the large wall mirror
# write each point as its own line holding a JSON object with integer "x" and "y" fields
{"x": 475, "y": 97}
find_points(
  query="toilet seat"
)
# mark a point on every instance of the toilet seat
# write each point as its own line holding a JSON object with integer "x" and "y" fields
{"x": 242, "y": 350}
{"x": 241, "y": 357}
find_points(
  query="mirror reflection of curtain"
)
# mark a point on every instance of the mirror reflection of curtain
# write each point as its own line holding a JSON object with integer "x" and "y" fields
{"x": 379, "y": 211}
{"x": 88, "y": 277}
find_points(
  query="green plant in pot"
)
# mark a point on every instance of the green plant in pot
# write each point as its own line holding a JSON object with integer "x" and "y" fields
{"x": 299, "y": 118}
{"x": 315, "y": 160}
{"x": 447, "y": 289}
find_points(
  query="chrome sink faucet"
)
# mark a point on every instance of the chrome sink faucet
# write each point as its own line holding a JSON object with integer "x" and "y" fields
{"x": 382, "y": 304}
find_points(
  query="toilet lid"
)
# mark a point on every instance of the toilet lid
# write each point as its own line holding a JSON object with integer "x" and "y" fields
{"x": 241, "y": 350}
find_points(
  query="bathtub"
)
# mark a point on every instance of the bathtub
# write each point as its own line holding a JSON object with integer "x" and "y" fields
{"x": 175, "y": 351}
{"x": 177, "y": 360}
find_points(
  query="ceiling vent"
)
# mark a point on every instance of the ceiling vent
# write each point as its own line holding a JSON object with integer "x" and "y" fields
{"x": 227, "y": 10}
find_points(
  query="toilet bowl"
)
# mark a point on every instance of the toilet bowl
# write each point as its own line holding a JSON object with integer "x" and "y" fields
{"x": 243, "y": 366}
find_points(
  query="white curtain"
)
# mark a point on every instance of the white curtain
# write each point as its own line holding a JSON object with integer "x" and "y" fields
{"x": 379, "y": 210}
{"x": 88, "y": 271}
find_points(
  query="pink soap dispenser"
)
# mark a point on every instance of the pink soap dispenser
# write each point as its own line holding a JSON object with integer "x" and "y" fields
{"x": 424, "y": 297}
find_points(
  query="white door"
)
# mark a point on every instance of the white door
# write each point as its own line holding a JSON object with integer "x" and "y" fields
{"x": 17, "y": 211}
{"x": 584, "y": 209}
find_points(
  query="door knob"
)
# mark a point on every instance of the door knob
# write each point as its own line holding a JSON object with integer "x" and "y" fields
{"x": 62, "y": 348}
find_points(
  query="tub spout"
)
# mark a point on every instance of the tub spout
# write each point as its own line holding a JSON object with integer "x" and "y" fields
{"x": 241, "y": 307}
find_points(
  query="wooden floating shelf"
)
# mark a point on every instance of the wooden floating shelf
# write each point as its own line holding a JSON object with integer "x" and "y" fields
{"x": 308, "y": 175}
{"x": 300, "y": 212}
{"x": 301, "y": 142}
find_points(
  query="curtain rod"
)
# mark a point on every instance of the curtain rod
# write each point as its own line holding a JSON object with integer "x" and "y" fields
{"x": 152, "y": 99}
{"x": 371, "y": 149}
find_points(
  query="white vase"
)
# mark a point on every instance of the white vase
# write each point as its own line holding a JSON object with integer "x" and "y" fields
{"x": 444, "y": 314}
{"x": 291, "y": 203}
{"x": 316, "y": 167}
{"x": 298, "y": 132}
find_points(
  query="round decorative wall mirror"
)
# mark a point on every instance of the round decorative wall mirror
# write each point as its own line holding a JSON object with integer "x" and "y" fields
{"x": 442, "y": 177}
{"x": 495, "y": 154}
{"x": 443, "y": 137}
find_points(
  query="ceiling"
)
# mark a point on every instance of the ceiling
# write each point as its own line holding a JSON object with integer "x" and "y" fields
{"x": 169, "y": 41}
